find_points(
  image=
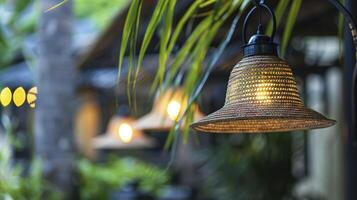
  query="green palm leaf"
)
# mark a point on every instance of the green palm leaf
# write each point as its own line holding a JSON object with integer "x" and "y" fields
{"x": 128, "y": 26}
{"x": 294, "y": 11}
{"x": 153, "y": 24}
{"x": 183, "y": 21}
{"x": 279, "y": 12}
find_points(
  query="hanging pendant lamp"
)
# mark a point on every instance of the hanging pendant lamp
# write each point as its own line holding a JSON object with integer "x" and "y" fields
{"x": 168, "y": 107}
{"x": 121, "y": 134}
{"x": 262, "y": 94}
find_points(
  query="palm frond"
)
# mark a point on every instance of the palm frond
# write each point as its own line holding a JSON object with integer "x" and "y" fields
{"x": 150, "y": 30}
{"x": 174, "y": 133}
{"x": 293, "y": 13}
{"x": 56, "y": 6}
{"x": 166, "y": 34}
{"x": 128, "y": 27}
{"x": 279, "y": 13}
{"x": 179, "y": 27}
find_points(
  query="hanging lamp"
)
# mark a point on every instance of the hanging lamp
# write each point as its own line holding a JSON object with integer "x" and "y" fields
{"x": 262, "y": 94}
{"x": 168, "y": 107}
{"x": 121, "y": 134}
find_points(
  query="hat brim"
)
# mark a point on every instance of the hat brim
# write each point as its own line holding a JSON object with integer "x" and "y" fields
{"x": 156, "y": 122}
{"x": 250, "y": 118}
{"x": 108, "y": 142}
{"x": 153, "y": 122}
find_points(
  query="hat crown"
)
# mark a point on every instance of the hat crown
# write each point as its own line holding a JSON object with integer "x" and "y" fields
{"x": 262, "y": 80}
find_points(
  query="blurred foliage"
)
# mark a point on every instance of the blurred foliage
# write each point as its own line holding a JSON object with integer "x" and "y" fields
{"x": 19, "y": 21}
{"x": 20, "y": 18}
{"x": 16, "y": 180}
{"x": 21, "y": 180}
{"x": 97, "y": 181}
{"x": 254, "y": 167}
{"x": 100, "y": 11}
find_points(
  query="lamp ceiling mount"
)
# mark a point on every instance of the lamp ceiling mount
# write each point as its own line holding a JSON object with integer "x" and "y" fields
{"x": 259, "y": 44}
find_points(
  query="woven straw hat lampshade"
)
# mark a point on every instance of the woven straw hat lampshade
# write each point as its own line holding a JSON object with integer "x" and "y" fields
{"x": 262, "y": 95}
{"x": 168, "y": 108}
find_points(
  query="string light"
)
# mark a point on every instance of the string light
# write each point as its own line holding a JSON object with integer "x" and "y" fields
{"x": 19, "y": 96}
{"x": 32, "y": 97}
{"x": 5, "y": 96}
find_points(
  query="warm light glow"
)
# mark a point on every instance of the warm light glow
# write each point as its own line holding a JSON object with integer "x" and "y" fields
{"x": 262, "y": 93}
{"x": 125, "y": 133}
{"x": 5, "y": 96}
{"x": 19, "y": 96}
{"x": 173, "y": 109}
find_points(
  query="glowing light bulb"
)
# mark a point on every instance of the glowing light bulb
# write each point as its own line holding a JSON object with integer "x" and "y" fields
{"x": 173, "y": 109}
{"x": 125, "y": 133}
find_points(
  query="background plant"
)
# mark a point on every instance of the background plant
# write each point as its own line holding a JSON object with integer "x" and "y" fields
{"x": 16, "y": 180}
{"x": 252, "y": 167}
{"x": 97, "y": 181}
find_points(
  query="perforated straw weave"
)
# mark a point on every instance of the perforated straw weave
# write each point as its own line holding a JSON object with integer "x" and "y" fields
{"x": 262, "y": 96}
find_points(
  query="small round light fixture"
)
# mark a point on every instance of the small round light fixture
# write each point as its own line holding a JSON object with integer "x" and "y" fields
{"x": 262, "y": 94}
